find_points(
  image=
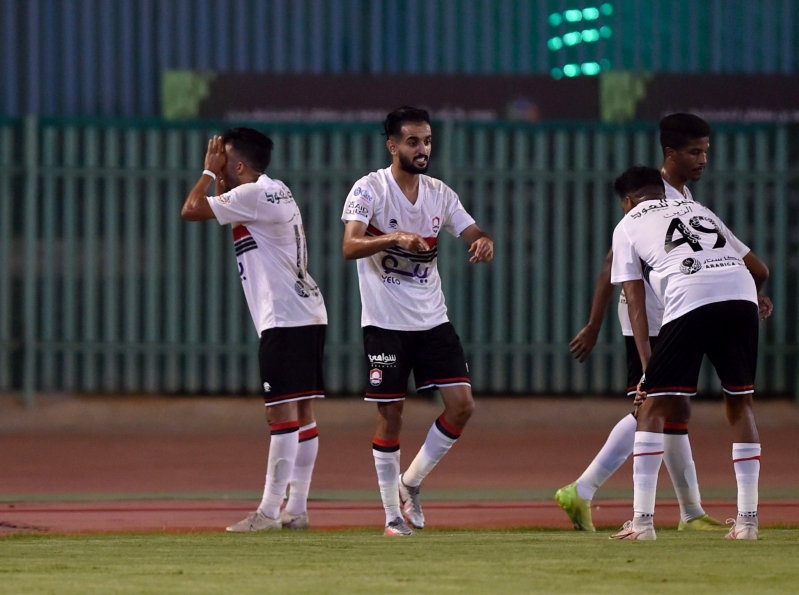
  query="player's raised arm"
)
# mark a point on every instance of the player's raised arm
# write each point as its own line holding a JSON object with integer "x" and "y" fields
{"x": 584, "y": 342}
{"x": 357, "y": 244}
{"x": 196, "y": 207}
{"x": 481, "y": 246}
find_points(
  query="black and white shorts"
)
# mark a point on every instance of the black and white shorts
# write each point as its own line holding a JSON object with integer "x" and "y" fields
{"x": 634, "y": 368}
{"x": 291, "y": 363}
{"x": 724, "y": 331}
{"x": 435, "y": 356}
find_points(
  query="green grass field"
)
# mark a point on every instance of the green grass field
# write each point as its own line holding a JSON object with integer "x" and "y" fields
{"x": 436, "y": 562}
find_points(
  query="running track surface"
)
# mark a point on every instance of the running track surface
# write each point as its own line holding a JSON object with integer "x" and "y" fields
{"x": 83, "y": 455}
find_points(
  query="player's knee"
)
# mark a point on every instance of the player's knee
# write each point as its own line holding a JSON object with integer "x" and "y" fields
{"x": 461, "y": 411}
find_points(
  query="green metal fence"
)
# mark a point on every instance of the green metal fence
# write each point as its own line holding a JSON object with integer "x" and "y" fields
{"x": 104, "y": 288}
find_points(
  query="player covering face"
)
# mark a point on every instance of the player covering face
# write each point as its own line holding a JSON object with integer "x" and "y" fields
{"x": 393, "y": 218}
{"x": 286, "y": 307}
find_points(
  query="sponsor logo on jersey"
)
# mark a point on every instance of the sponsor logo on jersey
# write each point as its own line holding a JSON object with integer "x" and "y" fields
{"x": 223, "y": 199}
{"x": 363, "y": 194}
{"x": 354, "y": 208}
{"x": 267, "y": 387}
{"x": 375, "y": 377}
{"x": 381, "y": 359}
{"x": 436, "y": 224}
{"x": 282, "y": 195}
{"x": 689, "y": 266}
{"x": 392, "y": 223}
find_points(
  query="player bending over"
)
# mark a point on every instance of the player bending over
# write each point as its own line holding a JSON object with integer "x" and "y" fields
{"x": 708, "y": 282}
{"x": 685, "y": 140}
{"x": 286, "y": 307}
{"x": 393, "y": 218}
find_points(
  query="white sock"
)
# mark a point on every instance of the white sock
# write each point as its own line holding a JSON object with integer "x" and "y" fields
{"x": 647, "y": 457}
{"x": 440, "y": 439}
{"x": 300, "y": 483}
{"x": 282, "y": 452}
{"x": 387, "y": 465}
{"x": 680, "y": 464}
{"x": 617, "y": 448}
{"x": 746, "y": 460}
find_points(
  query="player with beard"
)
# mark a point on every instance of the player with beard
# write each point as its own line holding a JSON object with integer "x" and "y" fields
{"x": 685, "y": 140}
{"x": 392, "y": 221}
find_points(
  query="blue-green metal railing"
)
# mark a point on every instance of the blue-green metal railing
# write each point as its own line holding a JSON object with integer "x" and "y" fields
{"x": 104, "y": 288}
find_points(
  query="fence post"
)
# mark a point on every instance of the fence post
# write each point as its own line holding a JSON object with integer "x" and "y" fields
{"x": 30, "y": 271}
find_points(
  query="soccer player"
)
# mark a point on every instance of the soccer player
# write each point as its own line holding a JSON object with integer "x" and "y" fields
{"x": 286, "y": 307}
{"x": 685, "y": 140}
{"x": 392, "y": 221}
{"x": 708, "y": 282}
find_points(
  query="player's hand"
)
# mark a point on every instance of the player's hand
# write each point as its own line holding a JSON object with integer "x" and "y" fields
{"x": 581, "y": 346}
{"x": 764, "y": 306}
{"x": 640, "y": 395}
{"x": 483, "y": 249}
{"x": 215, "y": 158}
{"x": 412, "y": 242}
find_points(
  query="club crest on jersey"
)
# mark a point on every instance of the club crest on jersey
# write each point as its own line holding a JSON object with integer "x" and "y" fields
{"x": 223, "y": 199}
{"x": 436, "y": 224}
{"x": 375, "y": 376}
{"x": 300, "y": 289}
{"x": 689, "y": 266}
{"x": 392, "y": 223}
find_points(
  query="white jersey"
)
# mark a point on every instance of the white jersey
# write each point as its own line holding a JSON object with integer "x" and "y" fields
{"x": 272, "y": 254}
{"x": 695, "y": 259}
{"x": 654, "y": 307}
{"x": 401, "y": 290}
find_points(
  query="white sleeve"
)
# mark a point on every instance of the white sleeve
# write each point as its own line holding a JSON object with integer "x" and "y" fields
{"x": 626, "y": 262}
{"x": 456, "y": 219}
{"x": 240, "y": 205}
{"x": 359, "y": 204}
{"x": 740, "y": 248}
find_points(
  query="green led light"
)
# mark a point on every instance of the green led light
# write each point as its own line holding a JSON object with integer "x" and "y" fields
{"x": 605, "y": 31}
{"x": 555, "y": 44}
{"x": 573, "y": 16}
{"x": 556, "y": 73}
{"x": 590, "y": 35}
{"x": 590, "y": 14}
{"x": 571, "y": 70}
{"x": 590, "y": 68}
{"x": 606, "y": 9}
{"x": 555, "y": 19}
{"x": 572, "y": 38}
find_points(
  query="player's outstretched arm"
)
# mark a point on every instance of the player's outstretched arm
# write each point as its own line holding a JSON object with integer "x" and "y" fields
{"x": 760, "y": 273}
{"x": 357, "y": 244}
{"x": 196, "y": 207}
{"x": 481, "y": 246}
{"x": 636, "y": 307}
{"x": 584, "y": 342}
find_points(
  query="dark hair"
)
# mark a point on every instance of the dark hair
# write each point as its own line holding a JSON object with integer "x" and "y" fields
{"x": 255, "y": 148}
{"x": 635, "y": 178}
{"x": 677, "y": 130}
{"x": 392, "y": 125}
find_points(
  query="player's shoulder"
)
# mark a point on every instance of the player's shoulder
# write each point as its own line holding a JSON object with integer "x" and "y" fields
{"x": 370, "y": 186}
{"x": 437, "y": 185}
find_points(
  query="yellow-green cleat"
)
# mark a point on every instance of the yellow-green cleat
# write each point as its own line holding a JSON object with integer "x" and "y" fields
{"x": 578, "y": 509}
{"x": 701, "y": 523}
